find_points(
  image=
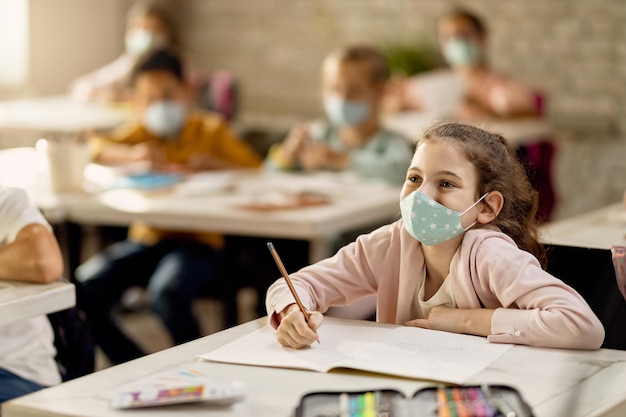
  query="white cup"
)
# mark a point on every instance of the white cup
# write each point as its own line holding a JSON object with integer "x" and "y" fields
{"x": 66, "y": 164}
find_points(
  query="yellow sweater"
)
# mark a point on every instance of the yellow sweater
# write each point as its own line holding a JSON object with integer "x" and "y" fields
{"x": 203, "y": 133}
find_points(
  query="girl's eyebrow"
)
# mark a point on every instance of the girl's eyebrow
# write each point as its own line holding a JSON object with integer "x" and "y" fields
{"x": 444, "y": 172}
{"x": 449, "y": 173}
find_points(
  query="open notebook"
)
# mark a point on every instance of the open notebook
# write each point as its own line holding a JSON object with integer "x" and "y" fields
{"x": 403, "y": 351}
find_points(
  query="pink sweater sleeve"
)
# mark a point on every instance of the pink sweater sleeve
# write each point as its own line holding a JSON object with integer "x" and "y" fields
{"x": 352, "y": 273}
{"x": 537, "y": 308}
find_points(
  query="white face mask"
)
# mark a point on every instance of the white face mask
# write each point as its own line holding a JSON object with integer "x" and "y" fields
{"x": 430, "y": 222}
{"x": 165, "y": 118}
{"x": 140, "y": 41}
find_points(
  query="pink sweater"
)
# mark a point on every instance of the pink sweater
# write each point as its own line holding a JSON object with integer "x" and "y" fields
{"x": 488, "y": 270}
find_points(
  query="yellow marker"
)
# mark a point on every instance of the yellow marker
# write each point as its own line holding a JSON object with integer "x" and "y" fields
{"x": 369, "y": 405}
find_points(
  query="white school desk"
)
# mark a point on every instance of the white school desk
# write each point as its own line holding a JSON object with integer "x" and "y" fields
{"x": 554, "y": 382}
{"x": 23, "y": 300}
{"x": 354, "y": 204}
{"x": 518, "y": 132}
{"x": 59, "y": 114}
{"x": 597, "y": 229}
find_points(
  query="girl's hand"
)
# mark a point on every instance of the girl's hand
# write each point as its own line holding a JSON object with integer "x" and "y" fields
{"x": 456, "y": 320}
{"x": 293, "y": 330}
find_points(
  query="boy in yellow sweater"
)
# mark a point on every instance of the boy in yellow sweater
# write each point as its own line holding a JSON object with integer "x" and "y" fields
{"x": 174, "y": 266}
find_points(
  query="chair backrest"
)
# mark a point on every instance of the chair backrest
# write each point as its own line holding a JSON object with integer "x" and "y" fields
{"x": 591, "y": 273}
{"x": 220, "y": 94}
{"x": 74, "y": 344}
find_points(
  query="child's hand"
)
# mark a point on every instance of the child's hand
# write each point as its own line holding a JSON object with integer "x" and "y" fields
{"x": 204, "y": 162}
{"x": 319, "y": 156}
{"x": 295, "y": 143}
{"x": 293, "y": 330}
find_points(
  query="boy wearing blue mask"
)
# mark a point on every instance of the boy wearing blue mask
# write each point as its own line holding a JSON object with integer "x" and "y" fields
{"x": 352, "y": 138}
{"x": 174, "y": 266}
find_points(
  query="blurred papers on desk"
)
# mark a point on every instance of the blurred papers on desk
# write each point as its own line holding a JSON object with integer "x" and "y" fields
{"x": 139, "y": 177}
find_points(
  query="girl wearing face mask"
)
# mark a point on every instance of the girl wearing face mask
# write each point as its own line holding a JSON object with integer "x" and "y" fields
{"x": 488, "y": 94}
{"x": 464, "y": 258}
{"x": 351, "y": 137}
{"x": 150, "y": 26}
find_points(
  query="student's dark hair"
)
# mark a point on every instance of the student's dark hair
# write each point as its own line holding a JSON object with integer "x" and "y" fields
{"x": 158, "y": 60}
{"x": 161, "y": 11}
{"x": 379, "y": 69}
{"x": 498, "y": 169}
{"x": 473, "y": 18}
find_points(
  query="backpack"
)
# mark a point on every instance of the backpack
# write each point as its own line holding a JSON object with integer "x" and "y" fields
{"x": 74, "y": 343}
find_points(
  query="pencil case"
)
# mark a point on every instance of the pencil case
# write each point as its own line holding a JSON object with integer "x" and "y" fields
{"x": 432, "y": 401}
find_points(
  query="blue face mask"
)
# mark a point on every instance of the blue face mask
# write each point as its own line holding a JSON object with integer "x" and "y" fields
{"x": 165, "y": 118}
{"x": 459, "y": 52}
{"x": 345, "y": 112}
{"x": 430, "y": 222}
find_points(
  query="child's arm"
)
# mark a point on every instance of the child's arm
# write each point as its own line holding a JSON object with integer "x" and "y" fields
{"x": 223, "y": 149}
{"x": 127, "y": 144}
{"x": 354, "y": 272}
{"x": 537, "y": 308}
{"x": 476, "y": 321}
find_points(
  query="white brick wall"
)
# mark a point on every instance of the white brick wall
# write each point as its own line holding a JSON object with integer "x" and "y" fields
{"x": 574, "y": 50}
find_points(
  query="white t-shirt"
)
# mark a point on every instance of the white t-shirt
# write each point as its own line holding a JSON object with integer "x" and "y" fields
{"x": 421, "y": 308}
{"x": 26, "y": 347}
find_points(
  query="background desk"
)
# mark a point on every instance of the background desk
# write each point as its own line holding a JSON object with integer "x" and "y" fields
{"x": 574, "y": 384}
{"x": 517, "y": 131}
{"x": 59, "y": 114}
{"x": 597, "y": 229}
{"x": 579, "y": 254}
{"x": 23, "y": 300}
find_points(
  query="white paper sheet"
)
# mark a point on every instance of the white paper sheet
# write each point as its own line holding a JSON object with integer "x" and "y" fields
{"x": 403, "y": 351}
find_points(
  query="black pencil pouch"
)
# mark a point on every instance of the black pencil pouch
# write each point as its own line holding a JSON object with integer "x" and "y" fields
{"x": 432, "y": 401}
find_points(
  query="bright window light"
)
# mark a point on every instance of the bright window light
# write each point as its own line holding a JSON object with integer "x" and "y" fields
{"x": 13, "y": 42}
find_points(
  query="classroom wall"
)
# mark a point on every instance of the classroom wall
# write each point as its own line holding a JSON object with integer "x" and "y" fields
{"x": 72, "y": 37}
{"x": 573, "y": 50}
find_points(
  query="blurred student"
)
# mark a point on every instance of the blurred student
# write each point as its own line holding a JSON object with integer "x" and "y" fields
{"x": 151, "y": 25}
{"x": 28, "y": 252}
{"x": 487, "y": 93}
{"x": 352, "y": 137}
{"x": 174, "y": 266}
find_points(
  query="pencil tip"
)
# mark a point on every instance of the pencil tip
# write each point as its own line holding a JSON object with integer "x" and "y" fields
{"x": 270, "y": 246}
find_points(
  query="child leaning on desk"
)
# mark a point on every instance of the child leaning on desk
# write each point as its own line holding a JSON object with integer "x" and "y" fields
{"x": 175, "y": 266}
{"x": 464, "y": 258}
{"x": 352, "y": 138}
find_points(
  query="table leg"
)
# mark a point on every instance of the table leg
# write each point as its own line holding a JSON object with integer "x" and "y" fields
{"x": 319, "y": 248}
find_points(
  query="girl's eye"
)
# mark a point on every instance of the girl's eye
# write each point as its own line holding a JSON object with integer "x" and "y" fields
{"x": 446, "y": 184}
{"x": 414, "y": 179}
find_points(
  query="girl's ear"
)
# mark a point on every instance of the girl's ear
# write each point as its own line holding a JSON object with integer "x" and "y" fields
{"x": 490, "y": 207}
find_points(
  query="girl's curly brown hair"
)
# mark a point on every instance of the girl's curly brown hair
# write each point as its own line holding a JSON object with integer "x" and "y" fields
{"x": 498, "y": 170}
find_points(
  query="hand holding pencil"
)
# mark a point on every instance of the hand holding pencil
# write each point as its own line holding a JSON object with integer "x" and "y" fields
{"x": 297, "y": 328}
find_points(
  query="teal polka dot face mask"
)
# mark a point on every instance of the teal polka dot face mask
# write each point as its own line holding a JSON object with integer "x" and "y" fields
{"x": 430, "y": 222}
